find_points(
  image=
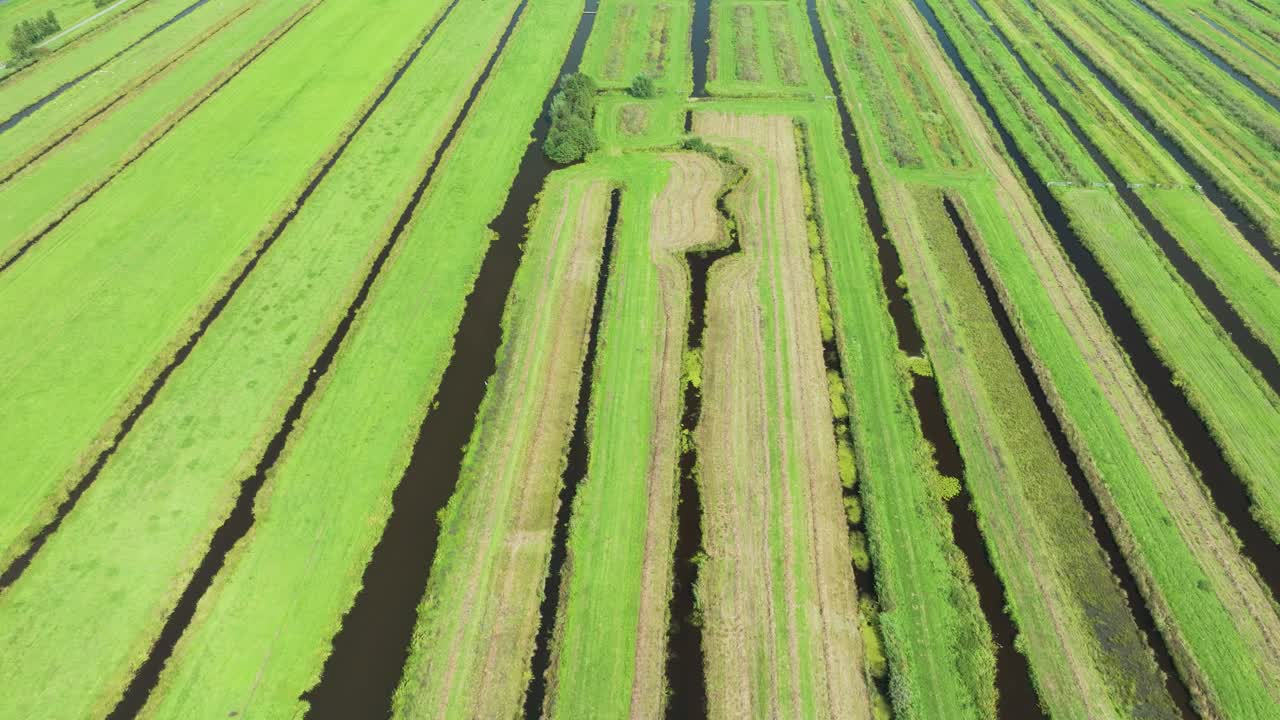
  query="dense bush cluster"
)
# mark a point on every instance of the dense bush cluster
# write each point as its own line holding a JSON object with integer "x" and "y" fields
{"x": 29, "y": 32}
{"x": 573, "y": 132}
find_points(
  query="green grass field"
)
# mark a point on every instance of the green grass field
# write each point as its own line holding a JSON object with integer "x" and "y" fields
{"x": 327, "y": 393}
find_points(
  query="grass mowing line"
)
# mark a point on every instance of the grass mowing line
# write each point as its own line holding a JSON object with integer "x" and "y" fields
{"x": 1177, "y": 555}
{"x": 1221, "y": 386}
{"x": 1220, "y": 45}
{"x": 27, "y": 150}
{"x": 20, "y": 113}
{"x": 764, "y": 299}
{"x": 19, "y": 562}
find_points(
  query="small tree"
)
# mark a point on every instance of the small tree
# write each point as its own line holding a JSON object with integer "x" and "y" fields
{"x": 643, "y": 87}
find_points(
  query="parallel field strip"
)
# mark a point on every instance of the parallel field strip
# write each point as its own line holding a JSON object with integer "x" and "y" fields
{"x": 1211, "y": 120}
{"x": 33, "y": 90}
{"x": 1158, "y": 544}
{"x": 490, "y": 137}
{"x": 1236, "y": 400}
{"x": 44, "y": 194}
{"x": 80, "y": 104}
{"x": 95, "y": 510}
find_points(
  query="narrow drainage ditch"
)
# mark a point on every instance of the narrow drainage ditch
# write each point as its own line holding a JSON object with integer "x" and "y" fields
{"x": 370, "y": 650}
{"x": 576, "y": 467}
{"x": 1214, "y": 58}
{"x": 17, "y": 255}
{"x": 1248, "y": 228}
{"x": 1106, "y": 539}
{"x": 20, "y": 564}
{"x": 1016, "y": 692}
{"x": 1254, "y": 350}
{"x": 700, "y": 45}
{"x": 29, "y": 110}
{"x": 1224, "y": 485}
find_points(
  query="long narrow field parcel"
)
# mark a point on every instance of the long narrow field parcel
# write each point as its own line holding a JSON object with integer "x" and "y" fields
{"x": 778, "y": 600}
{"x": 337, "y": 504}
{"x": 608, "y": 645}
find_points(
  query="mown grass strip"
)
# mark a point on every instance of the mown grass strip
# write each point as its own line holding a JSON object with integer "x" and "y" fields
{"x": 595, "y": 660}
{"x": 121, "y": 646}
{"x": 44, "y": 194}
{"x": 131, "y": 316}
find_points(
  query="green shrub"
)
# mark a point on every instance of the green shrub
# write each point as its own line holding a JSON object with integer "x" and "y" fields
{"x": 643, "y": 87}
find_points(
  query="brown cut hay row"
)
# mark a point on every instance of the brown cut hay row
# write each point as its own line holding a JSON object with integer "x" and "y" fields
{"x": 776, "y": 588}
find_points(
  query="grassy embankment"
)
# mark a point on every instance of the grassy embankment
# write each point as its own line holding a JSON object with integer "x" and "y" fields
{"x": 47, "y": 75}
{"x": 1239, "y": 407}
{"x": 47, "y": 189}
{"x": 1206, "y": 600}
{"x": 776, "y": 587}
{"x": 1224, "y": 128}
{"x": 111, "y": 85}
{"x": 762, "y": 49}
{"x": 330, "y": 490}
